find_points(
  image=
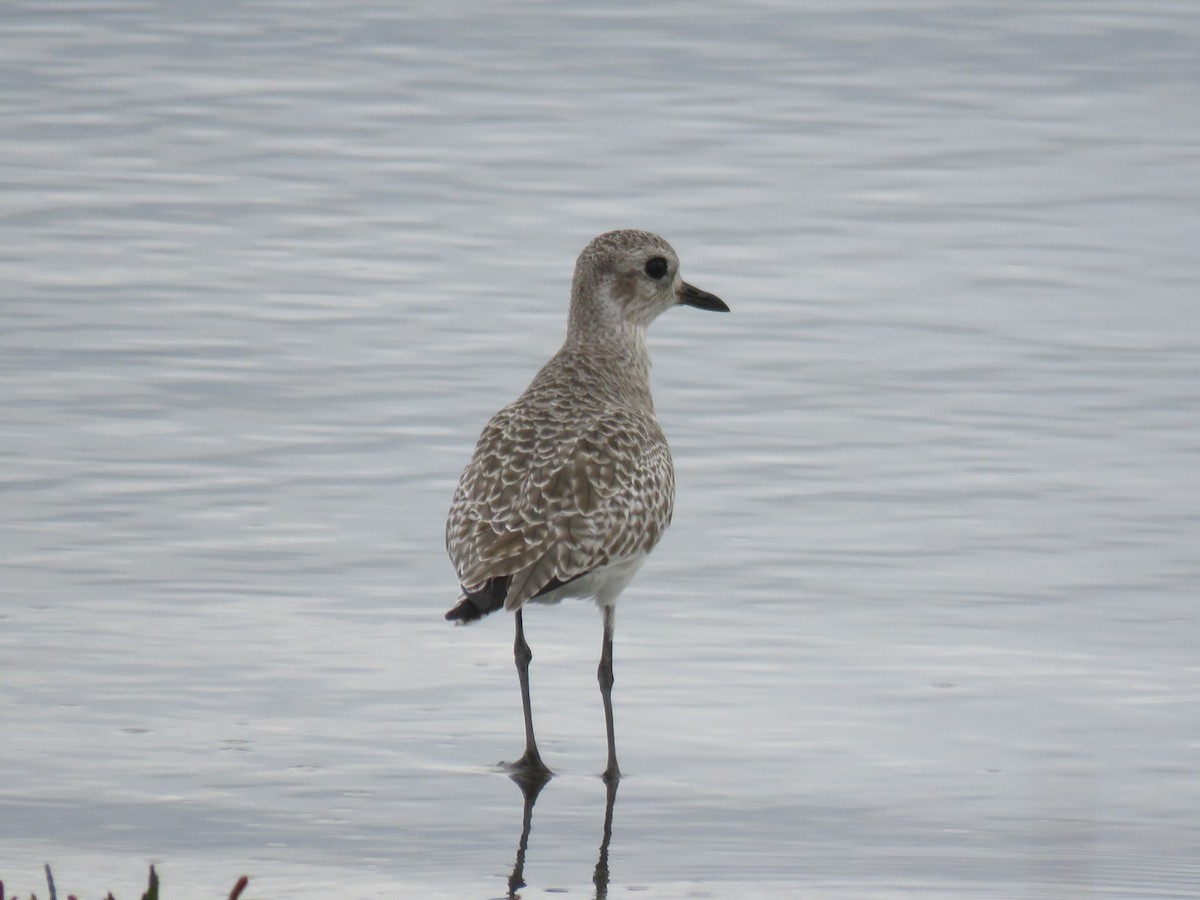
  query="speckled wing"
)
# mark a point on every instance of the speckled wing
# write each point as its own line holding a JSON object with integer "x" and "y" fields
{"x": 548, "y": 499}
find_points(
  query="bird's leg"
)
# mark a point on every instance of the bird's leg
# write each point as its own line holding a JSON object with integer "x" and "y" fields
{"x": 604, "y": 674}
{"x": 530, "y": 766}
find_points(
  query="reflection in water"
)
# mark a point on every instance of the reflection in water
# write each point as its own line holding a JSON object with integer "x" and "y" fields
{"x": 531, "y": 788}
{"x": 600, "y": 876}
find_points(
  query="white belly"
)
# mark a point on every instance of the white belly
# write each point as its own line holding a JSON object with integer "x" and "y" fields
{"x": 603, "y": 585}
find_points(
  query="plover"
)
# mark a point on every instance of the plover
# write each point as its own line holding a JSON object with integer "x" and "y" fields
{"x": 571, "y": 486}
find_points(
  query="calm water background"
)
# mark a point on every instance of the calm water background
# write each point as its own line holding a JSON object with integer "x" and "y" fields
{"x": 926, "y": 624}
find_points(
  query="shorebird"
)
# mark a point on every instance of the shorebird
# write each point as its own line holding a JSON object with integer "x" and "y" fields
{"x": 571, "y": 486}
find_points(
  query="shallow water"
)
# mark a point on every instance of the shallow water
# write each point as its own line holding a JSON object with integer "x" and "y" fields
{"x": 926, "y": 622}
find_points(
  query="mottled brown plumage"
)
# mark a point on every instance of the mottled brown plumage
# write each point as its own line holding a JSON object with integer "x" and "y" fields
{"x": 571, "y": 485}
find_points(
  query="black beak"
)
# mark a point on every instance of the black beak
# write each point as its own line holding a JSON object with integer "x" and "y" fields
{"x": 693, "y": 296}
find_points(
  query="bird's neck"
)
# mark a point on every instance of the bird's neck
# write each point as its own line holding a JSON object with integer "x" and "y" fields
{"x": 618, "y": 357}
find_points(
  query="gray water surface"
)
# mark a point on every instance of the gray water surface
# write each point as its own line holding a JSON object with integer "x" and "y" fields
{"x": 926, "y": 623}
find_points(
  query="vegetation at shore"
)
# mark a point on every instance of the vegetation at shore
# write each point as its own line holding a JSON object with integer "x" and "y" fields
{"x": 151, "y": 889}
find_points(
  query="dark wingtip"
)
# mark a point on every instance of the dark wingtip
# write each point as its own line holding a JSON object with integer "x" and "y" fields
{"x": 464, "y": 612}
{"x": 474, "y": 605}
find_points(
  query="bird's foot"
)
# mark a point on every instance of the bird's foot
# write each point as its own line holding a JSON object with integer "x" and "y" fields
{"x": 529, "y": 768}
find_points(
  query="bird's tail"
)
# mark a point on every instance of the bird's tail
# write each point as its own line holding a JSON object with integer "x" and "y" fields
{"x": 476, "y": 604}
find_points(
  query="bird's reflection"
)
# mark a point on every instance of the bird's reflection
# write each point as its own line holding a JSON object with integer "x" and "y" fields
{"x": 531, "y": 787}
{"x": 600, "y": 876}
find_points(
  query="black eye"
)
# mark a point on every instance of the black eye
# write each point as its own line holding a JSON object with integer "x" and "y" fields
{"x": 656, "y": 268}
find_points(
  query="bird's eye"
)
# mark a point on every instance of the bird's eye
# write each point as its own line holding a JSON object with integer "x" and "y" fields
{"x": 656, "y": 268}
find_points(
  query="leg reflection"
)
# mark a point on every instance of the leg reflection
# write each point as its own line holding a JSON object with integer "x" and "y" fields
{"x": 530, "y": 789}
{"x": 600, "y": 876}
